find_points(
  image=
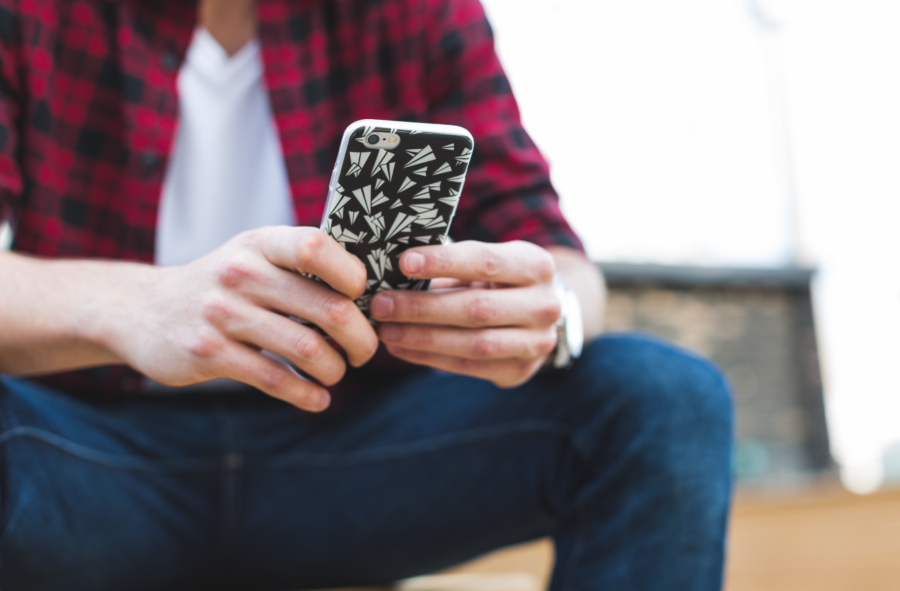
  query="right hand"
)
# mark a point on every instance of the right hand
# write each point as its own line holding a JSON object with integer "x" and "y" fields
{"x": 212, "y": 318}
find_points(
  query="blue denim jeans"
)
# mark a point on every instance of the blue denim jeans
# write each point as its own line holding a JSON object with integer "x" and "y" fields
{"x": 623, "y": 460}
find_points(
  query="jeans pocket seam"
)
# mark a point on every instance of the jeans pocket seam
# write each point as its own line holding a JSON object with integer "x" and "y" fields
{"x": 9, "y": 515}
{"x": 400, "y": 451}
{"x": 9, "y": 525}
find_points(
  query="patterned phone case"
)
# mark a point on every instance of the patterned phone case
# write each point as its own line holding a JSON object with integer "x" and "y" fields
{"x": 382, "y": 202}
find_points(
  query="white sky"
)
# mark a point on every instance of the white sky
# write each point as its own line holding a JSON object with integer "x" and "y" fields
{"x": 657, "y": 117}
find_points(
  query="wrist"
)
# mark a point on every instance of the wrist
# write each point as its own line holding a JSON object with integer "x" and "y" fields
{"x": 112, "y": 303}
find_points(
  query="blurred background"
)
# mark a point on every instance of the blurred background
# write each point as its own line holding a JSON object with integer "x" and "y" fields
{"x": 735, "y": 167}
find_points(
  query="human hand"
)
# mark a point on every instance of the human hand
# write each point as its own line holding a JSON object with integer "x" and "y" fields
{"x": 213, "y": 317}
{"x": 499, "y": 323}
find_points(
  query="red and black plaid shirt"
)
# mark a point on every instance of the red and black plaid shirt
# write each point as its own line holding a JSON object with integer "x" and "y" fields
{"x": 89, "y": 109}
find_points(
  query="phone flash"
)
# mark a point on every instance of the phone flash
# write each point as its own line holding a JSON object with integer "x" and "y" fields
{"x": 393, "y": 140}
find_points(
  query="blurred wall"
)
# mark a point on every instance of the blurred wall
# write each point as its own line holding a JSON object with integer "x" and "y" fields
{"x": 757, "y": 325}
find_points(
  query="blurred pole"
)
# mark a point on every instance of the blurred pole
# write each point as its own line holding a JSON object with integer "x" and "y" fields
{"x": 784, "y": 157}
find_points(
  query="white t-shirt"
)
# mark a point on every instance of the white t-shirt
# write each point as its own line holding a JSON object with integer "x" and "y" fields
{"x": 227, "y": 172}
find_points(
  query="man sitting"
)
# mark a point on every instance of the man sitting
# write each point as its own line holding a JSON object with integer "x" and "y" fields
{"x": 147, "y": 441}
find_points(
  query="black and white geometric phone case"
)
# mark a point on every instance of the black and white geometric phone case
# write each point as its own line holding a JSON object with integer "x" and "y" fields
{"x": 382, "y": 202}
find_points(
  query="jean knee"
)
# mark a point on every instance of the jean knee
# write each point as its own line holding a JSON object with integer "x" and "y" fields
{"x": 648, "y": 386}
{"x": 654, "y": 431}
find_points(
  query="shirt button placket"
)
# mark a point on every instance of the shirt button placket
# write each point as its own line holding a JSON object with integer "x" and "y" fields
{"x": 149, "y": 161}
{"x": 169, "y": 60}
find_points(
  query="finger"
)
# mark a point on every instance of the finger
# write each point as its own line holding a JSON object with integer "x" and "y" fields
{"x": 535, "y": 306}
{"x": 505, "y": 373}
{"x": 243, "y": 364}
{"x": 309, "y": 250}
{"x": 331, "y": 311}
{"x": 288, "y": 293}
{"x": 514, "y": 263}
{"x": 304, "y": 347}
{"x": 505, "y": 343}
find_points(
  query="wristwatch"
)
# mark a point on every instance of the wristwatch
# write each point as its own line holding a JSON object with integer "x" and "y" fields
{"x": 569, "y": 328}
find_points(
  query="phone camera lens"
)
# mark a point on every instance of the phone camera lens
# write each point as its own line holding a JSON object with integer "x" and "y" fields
{"x": 373, "y": 139}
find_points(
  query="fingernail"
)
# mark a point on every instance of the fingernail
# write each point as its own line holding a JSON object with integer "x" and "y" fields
{"x": 321, "y": 401}
{"x": 382, "y": 306}
{"x": 413, "y": 263}
{"x": 389, "y": 332}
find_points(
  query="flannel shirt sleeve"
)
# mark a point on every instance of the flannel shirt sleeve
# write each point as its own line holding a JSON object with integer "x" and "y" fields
{"x": 10, "y": 173}
{"x": 508, "y": 194}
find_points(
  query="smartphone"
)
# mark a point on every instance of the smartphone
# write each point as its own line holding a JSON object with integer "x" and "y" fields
{"x": 395, "y": 186}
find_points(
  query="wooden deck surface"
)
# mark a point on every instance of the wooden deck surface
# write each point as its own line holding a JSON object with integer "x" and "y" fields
{"x": 822, "y": 540}
{"x": 827, "y": 540}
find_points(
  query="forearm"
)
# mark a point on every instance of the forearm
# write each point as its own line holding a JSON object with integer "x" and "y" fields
{"x": 584, "y": 278}
{"x": 58, "y": 315}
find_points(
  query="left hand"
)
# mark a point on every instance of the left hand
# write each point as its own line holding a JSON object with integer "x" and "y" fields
{"x": 499, "y": 323}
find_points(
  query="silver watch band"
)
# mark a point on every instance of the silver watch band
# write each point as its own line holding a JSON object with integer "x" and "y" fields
{"x": 569, "y": 328}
